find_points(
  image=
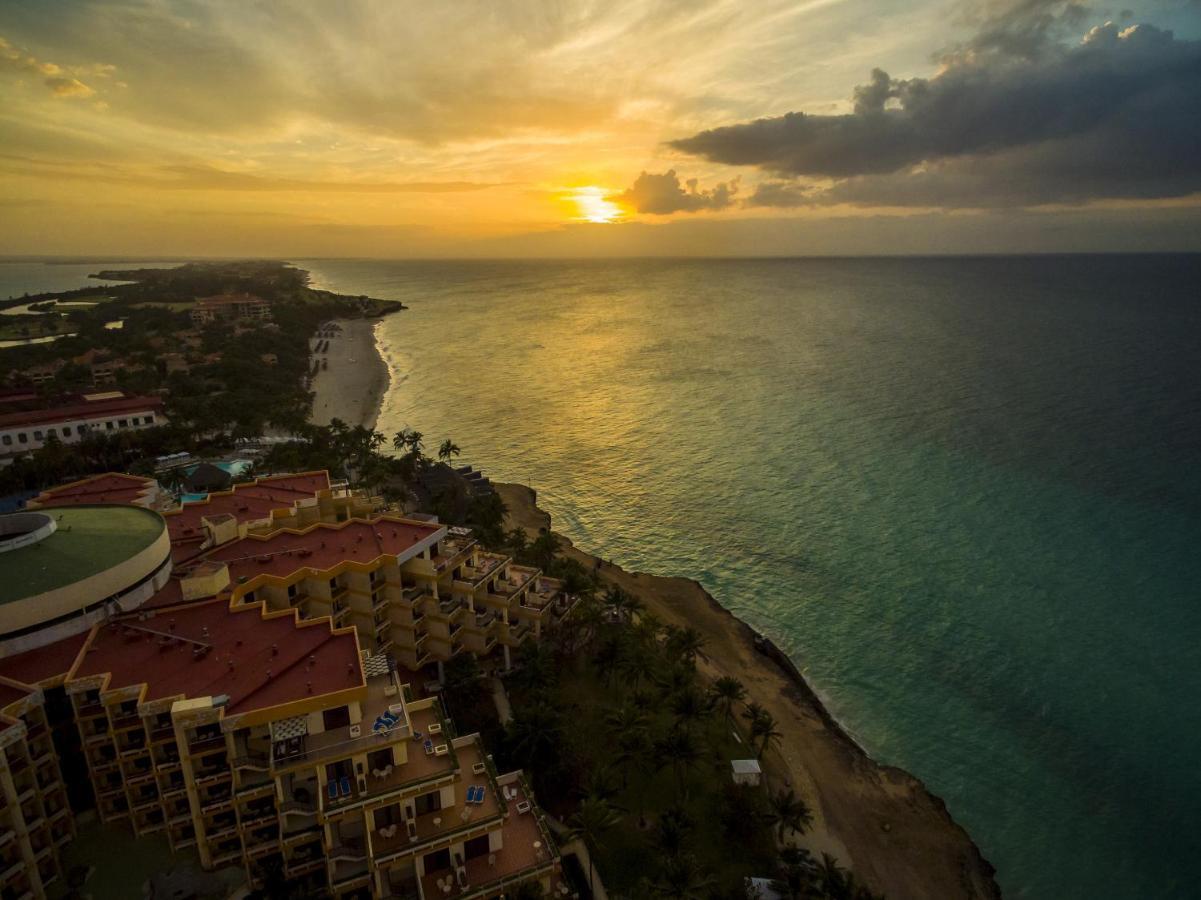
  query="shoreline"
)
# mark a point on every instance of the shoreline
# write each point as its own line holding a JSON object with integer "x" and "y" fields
{"x": 353, "y": 387}
{"x": 878, "y": 820}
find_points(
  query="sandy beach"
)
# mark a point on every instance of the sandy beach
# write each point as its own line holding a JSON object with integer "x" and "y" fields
{"x": 352, "y": 386}
{"x": 878, "y": 820}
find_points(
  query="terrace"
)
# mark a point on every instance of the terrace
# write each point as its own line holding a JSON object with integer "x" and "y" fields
{"x": 526, "y": 852}
{"x": 516, "y": 581}
{"x": 547, "y": 592}
{"x": 441, "y": 823}
{"x": 452, "y": 551}
{"x": 420, "y": 767}
{"x": 483, "y": 566}
{"x": 382, "y": 695}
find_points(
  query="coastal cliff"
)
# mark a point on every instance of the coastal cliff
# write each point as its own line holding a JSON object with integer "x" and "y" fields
{"x": 880, "y": 821}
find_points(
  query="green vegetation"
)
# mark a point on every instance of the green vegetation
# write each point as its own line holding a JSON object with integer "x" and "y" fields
{"x": 228, "y": 388}
{"x": 631, "y": 749}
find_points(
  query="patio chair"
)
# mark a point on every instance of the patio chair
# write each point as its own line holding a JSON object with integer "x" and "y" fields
{"x": 333, "y": 789}
{"x": 346, "y": 785}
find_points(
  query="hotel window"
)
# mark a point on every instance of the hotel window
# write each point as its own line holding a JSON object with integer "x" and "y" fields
{"x": 37, "y": 435}
{"x": 22, "y": 438}
{"x": 108, "y": 426}
{"x": 339, "y": 717}
{"x": 121, "y": 423}
{"x": 8, "y": 440}
{"x": 53, "y": 432}
{"x": 66, "y": 431}
{"x": 149, "y": 420}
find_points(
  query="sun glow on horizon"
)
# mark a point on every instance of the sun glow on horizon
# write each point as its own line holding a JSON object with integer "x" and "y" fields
{"x": 594, "y": 206}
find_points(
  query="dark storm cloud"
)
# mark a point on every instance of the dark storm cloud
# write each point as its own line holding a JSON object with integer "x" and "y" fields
{"x": 1015, "y": 116}
{"x": 663, "y": 194}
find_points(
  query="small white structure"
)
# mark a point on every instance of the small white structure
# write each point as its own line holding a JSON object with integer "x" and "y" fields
{"x": 761, "y": 889}
{"x": 746, "y": 771}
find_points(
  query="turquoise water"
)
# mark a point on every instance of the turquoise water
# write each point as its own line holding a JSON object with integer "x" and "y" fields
{"x": 964, "y": 494}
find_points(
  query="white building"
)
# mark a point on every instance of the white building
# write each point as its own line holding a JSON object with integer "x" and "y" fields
{"x": 25, "y": 431}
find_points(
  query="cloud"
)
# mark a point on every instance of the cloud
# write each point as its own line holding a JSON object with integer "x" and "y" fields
{"x": 61, "y": 81}
{"x": 1013, "y": 116}
{"x": 780, "y": 194}
{"x": 192, "y": 177}
{"x": 65, "y": 86}
{"x": 663, "y": 194}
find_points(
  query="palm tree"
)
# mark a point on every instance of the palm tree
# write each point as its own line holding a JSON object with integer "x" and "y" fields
{"x": 601, "y": 782}
{"x": 727, "y": 691}
{"x": 681, "y": 751}
{"x": 683, "y": 878}
{"x": 536, "y": 734}
{"x": 790, "y": 812}
{"x": 448, "y": 449}
{"x": 636, "y": 663}
{"x": 673, "y": 830}
{"x": 591, "y": 823}
{"x": 407, "y": 439}
{"x": 763, "y": 730}
{"x": 689, "y": 706}
{"x": 621, "y": 604}
{"x": 517, "y": 541}
{"x": 685, "y": 643}
{"x": 544, "y": 548}
{"x": 796, "y": 874}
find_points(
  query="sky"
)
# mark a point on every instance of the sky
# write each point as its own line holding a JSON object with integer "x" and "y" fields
{"x": 515, "y": 128}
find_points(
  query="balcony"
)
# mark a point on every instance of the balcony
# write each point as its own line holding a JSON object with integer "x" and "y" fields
{"x": 452, "y": 551}
{"x": 413, "y": 594}
{"x": 484, "y": 566}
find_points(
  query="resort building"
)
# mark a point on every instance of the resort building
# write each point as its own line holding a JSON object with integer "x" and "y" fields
{"x": 261, "y": 700}
{"x": 25, "y": 431}
{"x": 229, "y": 307}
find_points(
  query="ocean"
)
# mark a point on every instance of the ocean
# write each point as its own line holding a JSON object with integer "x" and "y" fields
{"x": 964, "y": 494}
{"x": 19, "y": 277}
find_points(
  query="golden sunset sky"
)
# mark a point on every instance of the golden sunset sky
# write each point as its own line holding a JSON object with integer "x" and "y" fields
{"x": 580, "y": 128}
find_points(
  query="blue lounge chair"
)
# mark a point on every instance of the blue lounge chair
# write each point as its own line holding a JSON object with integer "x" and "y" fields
{"x": 345, "y": 786}
{"x": 471, "y": 793}
{"x": 333, "y": 789}
{"x": 429, "y": 747}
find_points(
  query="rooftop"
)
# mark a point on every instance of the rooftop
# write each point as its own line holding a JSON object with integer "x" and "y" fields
{"x": 111, "y": 487}
{"x": 88, "y": 540}
{"x": 10, "y": 694}
{"x": 85, "y": 409}
{"x": 257, "y": 662}
{"x": 247, "y": 502}
{"x": 322, "y": 546}
{"x": 52, "y": 661}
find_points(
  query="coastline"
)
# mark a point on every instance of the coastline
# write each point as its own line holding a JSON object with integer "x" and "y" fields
{"x": 353, "y": 386}
{"x": 881, "y": 821}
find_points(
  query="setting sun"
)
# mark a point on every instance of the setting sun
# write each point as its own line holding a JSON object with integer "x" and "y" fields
{"x": 593, "y": 205}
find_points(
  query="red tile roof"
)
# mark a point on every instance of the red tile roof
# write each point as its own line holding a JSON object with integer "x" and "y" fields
{"x": 89, "y": 409}
{"x": 257, "y": 662}
{"x": 111, "y": 487}
{"x": 322, "y": 546}
{"x": 51, "y": 661}
{"x": 10, "y": 694}
{"x": 245, "y": 502}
